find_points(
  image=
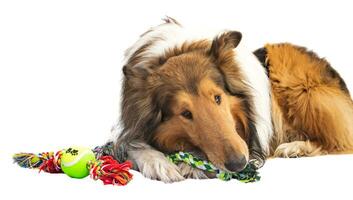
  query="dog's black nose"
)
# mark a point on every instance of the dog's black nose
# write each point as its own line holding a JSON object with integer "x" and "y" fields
{"x": 236, "y": 163}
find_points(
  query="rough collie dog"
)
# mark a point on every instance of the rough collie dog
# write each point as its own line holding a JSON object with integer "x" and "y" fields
{"x": 204, "y": 93}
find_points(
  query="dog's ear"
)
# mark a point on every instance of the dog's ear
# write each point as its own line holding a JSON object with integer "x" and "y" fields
{"x": 141, "y": 104}
{"x": 225, "y": 41}
{"x": 136, "y": 72}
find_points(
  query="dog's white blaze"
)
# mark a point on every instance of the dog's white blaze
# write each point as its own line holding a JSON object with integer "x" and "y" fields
{"x": 170, "y": 35}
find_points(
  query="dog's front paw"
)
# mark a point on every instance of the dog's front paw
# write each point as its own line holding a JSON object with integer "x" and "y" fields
{"x": 257, "y": 159}
{"x": 161, "y": 169}
{"x": 154, "y": 165}
{"x": 188, "y": 171}
{"x": 257, "y": 163}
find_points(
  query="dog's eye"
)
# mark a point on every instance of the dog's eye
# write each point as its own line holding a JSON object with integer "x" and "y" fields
{"x": 186, "y": 114}
{"x": 218, "y": 99}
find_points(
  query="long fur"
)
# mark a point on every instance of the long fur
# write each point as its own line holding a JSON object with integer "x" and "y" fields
{"x": 311, "y": 106}
{"x": 288, "y": 101}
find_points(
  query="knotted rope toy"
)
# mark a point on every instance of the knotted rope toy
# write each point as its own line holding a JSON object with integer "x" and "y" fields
{"x": 78, "y": 162}
{"x": 99, "y": 163}
{"x": 247, "y": 175}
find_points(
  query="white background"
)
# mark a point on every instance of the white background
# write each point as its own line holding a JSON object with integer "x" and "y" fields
{"x": 60, "y": 79}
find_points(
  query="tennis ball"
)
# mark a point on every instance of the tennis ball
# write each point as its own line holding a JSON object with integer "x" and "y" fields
{"x": 74, "y": 161}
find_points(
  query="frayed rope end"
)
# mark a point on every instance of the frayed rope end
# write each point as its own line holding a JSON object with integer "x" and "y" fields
{"x": 27, "y": 160}
{"x": 110, "y": 171}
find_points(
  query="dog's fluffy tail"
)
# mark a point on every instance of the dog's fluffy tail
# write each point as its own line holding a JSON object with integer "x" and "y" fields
{"x": 328, "y": 113}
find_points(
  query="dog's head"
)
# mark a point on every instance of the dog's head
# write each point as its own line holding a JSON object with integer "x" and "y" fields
{"x": 194, "y": 99}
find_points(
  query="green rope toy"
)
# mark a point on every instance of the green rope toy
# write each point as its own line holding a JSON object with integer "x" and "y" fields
{"x": 247, "y": 175}
{"x": 104, "y": 167}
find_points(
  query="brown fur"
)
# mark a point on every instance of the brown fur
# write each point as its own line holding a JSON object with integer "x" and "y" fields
{"x": 311, "y": 107}
{"x": 213, "y": 125}
{"x": 310, "y": 103}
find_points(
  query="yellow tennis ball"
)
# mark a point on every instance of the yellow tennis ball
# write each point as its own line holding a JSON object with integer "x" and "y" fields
{"x": 74, "y": 161}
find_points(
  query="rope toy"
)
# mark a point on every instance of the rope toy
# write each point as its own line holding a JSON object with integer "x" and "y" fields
{"x": 78, "y": 162}
{"x": 247, "y": 175}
